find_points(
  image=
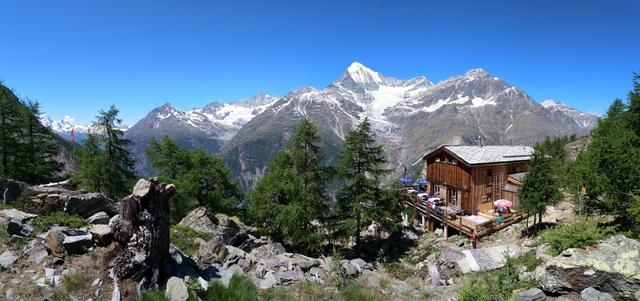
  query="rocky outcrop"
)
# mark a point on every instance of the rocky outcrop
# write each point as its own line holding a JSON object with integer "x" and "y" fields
{"x": 612, "y": 267}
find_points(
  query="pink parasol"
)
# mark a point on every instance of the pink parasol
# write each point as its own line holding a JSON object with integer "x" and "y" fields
{"x": 503, "y": 203}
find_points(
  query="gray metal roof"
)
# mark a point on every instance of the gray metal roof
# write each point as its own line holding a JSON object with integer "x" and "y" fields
{"x": 475, "y": 154}
{"x": 518, "y": 176}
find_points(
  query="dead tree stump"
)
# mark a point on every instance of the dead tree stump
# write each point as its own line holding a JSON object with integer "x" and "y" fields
{"x": 141, "y": 233}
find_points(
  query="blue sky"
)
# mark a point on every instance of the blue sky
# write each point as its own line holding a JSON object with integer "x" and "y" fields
{"x": 77, "y": 57}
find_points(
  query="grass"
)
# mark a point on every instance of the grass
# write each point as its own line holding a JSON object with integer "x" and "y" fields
{"x": 353, "y": 291}
{"x": 279, "y": 294}
{"x": 59, "y": 294}
{"x": 496, "y": 285}
{"x": 398, "y": 270}
{"x": 573, "y": 235}
{"x": 240, "y": 289}
{"x": 42, "y": 223}
{"x": 153, "y": 295}
{"x": 4, "y": 206}
{"x": 76, "y": 281}
{"x": 183, "y": 238}
{"x": 527, "y": 260}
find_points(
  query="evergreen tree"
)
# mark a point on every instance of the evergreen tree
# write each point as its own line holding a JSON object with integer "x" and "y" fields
{"x": 361, "y": 201}
{"x": 291, "y": 200}
{"x": 118, "y": 167}
{"x": 9, "y": 131}
{"x": 540, "y": 187}
{"x": 169, "y": 158}
{"x": 201, "y": 179}
{"x": 38, "y": 149}
{"x": 105, "y": 164}
{"x": 91, "y": 161}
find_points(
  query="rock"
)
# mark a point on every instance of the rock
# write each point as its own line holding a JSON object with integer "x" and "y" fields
{"x": 461, "y": 242}
{"x": 269, "y": 281}
{"x": 55, "y": 239}
{"x": 99, "y": 218}
{"x": 438, "y": 232}
{"x": 45, "y": 290}
{"x": 88, "y": 204}
{"x": 35, "y": 251}
{"x": 199, "y": 220}
{"x": 68, "y": 272}
{"x": 233, "y": 255}
{"x": 485, "y": 259}
{"x": 531, "y": 294}
{"x": 7, "y": 259}
{"x": 96, "y": 282}
{"x": 9, "y": 294}
{"x": 591, "y": 294}
{"x": 268, "y": 250}
{"x": 15, "y": 227}
{"x": 211, "y": 252}
{"x": 300, "y": 261}
{"x": 78, "y": 244}
{"x": 7, "y": 215}
{"x": 613, "y": 267}
{"x": 228, "y": 230}
{"x": 285, "y": 277}
{"x": 176, "y": 290}
{"x": 361, "y": 265}
{"x": 225, "y": 275}
{"x": 347, "y": 269}
{"x": 409, "y": 235}
{"x": 317, "y": 274}
{"x": 101, "y": 234}
{"x": 141, "y": 189}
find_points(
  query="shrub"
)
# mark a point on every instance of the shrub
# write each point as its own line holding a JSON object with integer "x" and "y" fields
{"x": 240, "y": 288}
{"x": 183, "y": 238}
{"x": 495, "y": 285}
{"x": 573, "y": 235}
{"x": 42, "y": 223}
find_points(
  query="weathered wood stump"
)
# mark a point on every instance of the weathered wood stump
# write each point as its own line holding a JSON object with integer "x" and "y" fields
{"x": 141, "y": 233}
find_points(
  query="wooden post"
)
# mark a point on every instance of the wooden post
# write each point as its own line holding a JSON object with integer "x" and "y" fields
{"x": 446, "y": 229}
{"x": 423, "y": 222}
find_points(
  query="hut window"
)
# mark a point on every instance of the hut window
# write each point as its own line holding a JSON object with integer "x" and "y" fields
{"x": 514, "y": 169}
{"x": 454, "y": 162}
{"x": 489, "y": 172}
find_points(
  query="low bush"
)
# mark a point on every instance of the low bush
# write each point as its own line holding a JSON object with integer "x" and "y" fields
{"x": 528, "y": 260}
{"x": 240, "y": 288}
{"x": 76, "y": 281}
{"x": 183, "y": 237}
{"x": 42, "y": 223}
{"x": 574, "y": 235}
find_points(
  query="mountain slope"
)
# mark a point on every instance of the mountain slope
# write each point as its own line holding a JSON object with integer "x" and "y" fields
{"x": 409, "y": 116}
{"x": 585, "y": 120}
{"x": 207, "y": 127}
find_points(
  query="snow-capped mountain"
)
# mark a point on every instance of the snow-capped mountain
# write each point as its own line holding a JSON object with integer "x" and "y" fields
{"x": 585, "y": 120}
{"x": 409, "y": 116}
{"x": 207, "y": 127}
{"x": 64, "y": 125}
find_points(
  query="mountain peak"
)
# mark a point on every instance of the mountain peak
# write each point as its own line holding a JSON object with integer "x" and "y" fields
{"x": 476, "y": 72}
{"x": 549, "y": 103}
{"x": 363, "y": 74}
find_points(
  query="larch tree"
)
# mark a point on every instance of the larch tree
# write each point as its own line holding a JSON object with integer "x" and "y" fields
{"x": 540, "y": 186}
{"x": 291, "y": 201}
{"x": 361, "y": 200}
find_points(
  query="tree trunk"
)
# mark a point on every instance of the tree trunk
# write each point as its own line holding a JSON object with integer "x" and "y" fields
{"x": 142, "y": 227}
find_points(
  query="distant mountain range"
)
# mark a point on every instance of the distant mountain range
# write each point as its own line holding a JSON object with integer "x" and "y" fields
{"x": 64, "y": 126}
{"x": 410, "y": 117}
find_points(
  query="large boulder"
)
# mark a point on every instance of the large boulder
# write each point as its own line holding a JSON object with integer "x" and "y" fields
{"x": 55, "y": 239}
{"x": 229, "y": 230}
{"x": 88, "y": 204}
{"x": 613, "y": 267}
{"x": 101, "y": 234}
{"x": 7, "y": 215}
{"x": 11, "y": 190}
{"x": 100, "y": 218}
